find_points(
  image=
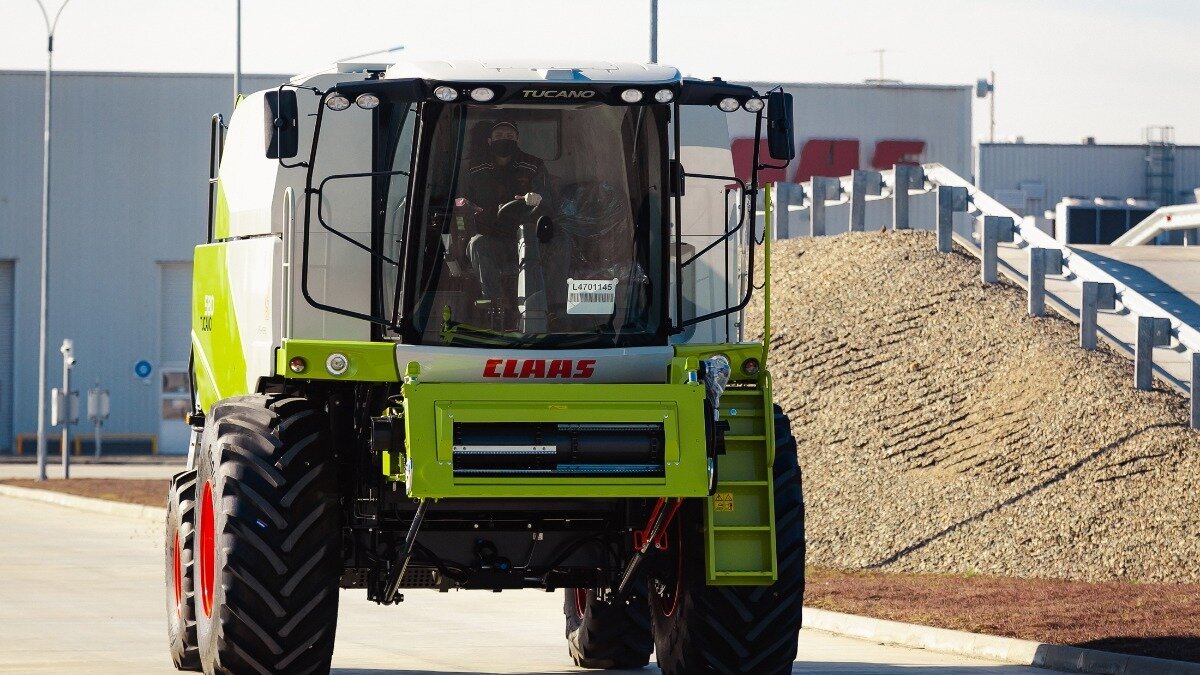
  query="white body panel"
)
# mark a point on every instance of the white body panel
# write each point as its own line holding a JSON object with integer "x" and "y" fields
{"x": 636, "y": 365}
{"x": 267, "y": 202}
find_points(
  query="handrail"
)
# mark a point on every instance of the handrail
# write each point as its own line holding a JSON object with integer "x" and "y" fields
{"x": 1082, "y": 268}
{"x": 1165, "y": 219}
{"x": 1076, "y": 267}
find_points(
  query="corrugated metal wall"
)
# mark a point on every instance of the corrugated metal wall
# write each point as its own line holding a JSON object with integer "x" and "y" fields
{"x": 6, "y": 355}
{"x": 938, "y": 115}
{"x": 1077, "y": 170}
{"x": 129, "y": 191}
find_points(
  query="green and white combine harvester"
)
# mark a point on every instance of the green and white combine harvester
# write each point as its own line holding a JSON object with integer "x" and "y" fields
{"x": 461, "y": 326}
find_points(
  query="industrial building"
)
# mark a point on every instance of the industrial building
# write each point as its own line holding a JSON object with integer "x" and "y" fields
{"x": 1034, "y": 179}
{"x": 128, "y": 201}
{"x": 129, "y": 198}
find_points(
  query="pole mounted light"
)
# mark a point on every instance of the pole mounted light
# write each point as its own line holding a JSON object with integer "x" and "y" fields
{"x": 51, "y": 25}
{"x": 987, "y": 89}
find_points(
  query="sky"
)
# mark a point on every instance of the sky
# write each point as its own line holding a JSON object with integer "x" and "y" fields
{"x": 1065, "y": 69}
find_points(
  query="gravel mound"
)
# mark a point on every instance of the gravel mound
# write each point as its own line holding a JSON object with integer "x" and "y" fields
{"x": 941, "y": 429}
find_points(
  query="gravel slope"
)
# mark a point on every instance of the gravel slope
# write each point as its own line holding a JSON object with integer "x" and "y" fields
{"x": 942, "y": 429}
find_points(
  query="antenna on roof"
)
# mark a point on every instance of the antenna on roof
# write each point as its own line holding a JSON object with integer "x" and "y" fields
{"x": 389, "y": 50}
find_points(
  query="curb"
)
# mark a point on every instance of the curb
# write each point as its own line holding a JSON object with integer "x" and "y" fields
{"x": 1008, "y": 650}
{"x": 155, "y": 513}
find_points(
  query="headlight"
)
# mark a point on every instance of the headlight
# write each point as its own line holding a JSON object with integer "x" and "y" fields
{"x": 728, "y": 104}
{"x": 631, "y": 96}
{"x": 297, "y": 364}
{"x": 664, "y": 95}
{"x": 337, "y": 364}
{"x": 337, "y": 102}
{"x": 482, "y": 94}
{"x": 366, "y": 101}
{"x": 753, "y": 105}
{"x": 445, "y": 93}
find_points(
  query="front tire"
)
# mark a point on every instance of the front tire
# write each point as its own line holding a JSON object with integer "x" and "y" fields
{"x": 734, "y": 629}
{"x": 181, "y": 608}
{"x": 602, "y": 635}
{"x": 267, "y": 538}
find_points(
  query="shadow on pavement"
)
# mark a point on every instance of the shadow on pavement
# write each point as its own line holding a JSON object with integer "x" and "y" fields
{"x": 825, "y": 667}
{"x": 1177, "y": 647}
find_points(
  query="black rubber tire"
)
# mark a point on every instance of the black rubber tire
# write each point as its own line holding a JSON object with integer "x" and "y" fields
{"x": 605, "y": 635}
{"x": 275, "y": 560}
{"x": 735, "y": 629}
{"x": 181, "y": 610}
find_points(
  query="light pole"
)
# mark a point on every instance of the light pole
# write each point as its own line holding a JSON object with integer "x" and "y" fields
{"x": 41, "y": 432}
{"x": 653, "y": 31}
{"x": 237, "y": 66}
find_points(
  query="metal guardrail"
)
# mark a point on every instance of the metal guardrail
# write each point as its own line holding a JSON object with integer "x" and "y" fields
{"x": 999, "y": 223}
{"x": 1166, "y": 219}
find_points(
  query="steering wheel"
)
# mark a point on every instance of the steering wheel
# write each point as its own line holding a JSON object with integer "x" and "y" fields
{"x": 510, "y": 214}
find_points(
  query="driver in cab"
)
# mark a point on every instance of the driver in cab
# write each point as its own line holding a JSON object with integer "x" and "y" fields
{"x": 501, "y": 174}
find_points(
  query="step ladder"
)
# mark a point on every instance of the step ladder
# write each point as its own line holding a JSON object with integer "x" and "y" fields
{"x": 740, "y": 517}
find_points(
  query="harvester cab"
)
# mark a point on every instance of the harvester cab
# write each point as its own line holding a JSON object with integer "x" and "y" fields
{"x": 480, "y": 326}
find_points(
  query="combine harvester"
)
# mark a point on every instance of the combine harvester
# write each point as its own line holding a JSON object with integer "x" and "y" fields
{"x": 459, "y": 326}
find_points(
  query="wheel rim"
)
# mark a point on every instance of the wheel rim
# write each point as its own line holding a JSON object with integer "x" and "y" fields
{"x": 580, "y": 602}
{"x": 208, "y": 549}
{"x": 177, "y": 578}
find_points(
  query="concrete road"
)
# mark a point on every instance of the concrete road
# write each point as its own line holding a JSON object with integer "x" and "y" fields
{"x": 83, "y": 592}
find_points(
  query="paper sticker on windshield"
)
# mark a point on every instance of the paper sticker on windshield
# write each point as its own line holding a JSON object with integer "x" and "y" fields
{"x": 588, "y": 296}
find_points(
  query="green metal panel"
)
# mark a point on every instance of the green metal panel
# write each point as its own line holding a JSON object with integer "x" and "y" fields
{"x": 368, "y": 361}
{"x": 740, "y": 517}
{"x": 430, "y": 410}
{"x": 221, "y": 215}
{"x": 216, "y": 340}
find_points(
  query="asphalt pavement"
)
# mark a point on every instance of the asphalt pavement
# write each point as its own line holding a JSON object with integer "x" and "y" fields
{"x": 83, "y": 592}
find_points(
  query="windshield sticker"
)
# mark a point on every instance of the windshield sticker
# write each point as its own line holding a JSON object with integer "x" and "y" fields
{"x": 588, "y": 296}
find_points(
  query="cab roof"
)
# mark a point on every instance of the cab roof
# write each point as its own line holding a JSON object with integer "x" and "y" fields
{"x": 527, "y": 71}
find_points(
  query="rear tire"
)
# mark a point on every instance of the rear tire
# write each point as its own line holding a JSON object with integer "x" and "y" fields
{"x": 267, "y": 538}
{"x": 734, "y": 629}
{"x": 181, "y": 609}
{"x": 600, "y": 635}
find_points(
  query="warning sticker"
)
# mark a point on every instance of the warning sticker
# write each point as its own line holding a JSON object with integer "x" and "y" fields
{"x": 723, "y": 501}
{"x": 591, "y": 296}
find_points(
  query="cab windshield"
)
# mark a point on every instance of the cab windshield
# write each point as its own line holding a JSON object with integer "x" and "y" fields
{"x": 538, "y": 226}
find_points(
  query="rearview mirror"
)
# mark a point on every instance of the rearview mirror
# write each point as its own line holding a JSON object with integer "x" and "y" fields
{"x": 280, "y": 124}
{"x": 781, "y": 138}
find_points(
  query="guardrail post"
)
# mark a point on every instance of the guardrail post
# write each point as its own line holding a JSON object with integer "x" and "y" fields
{"x": 1042, "y": 261}
{"x": 862, "y": 183}
{"x": 904, "y": 178}
{"x": 783, "y": 198}
{"x": 1152, "y": 332}
{"x": 950, "y": 199}
{"x": 1096, "y": 296}
{"x": 1195, "y": 423}
{"x": 823, "y": 189}
{"x": 995, "y": 230}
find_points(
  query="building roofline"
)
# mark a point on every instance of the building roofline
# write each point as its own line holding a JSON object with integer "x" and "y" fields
{"x": 859, "y": 85}
{"x": 116, "y": 73}
{"x": 1078, "y": 145}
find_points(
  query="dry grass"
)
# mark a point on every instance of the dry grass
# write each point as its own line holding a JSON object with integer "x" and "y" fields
{"x": 134, "y": 491}
{"x": 1148, "y": 619}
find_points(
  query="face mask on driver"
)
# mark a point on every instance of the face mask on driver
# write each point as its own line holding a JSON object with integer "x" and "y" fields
{"x": 503, "y": 147}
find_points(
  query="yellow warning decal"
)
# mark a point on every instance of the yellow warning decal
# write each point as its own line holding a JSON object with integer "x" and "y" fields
{"x": 723, "y": 501}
